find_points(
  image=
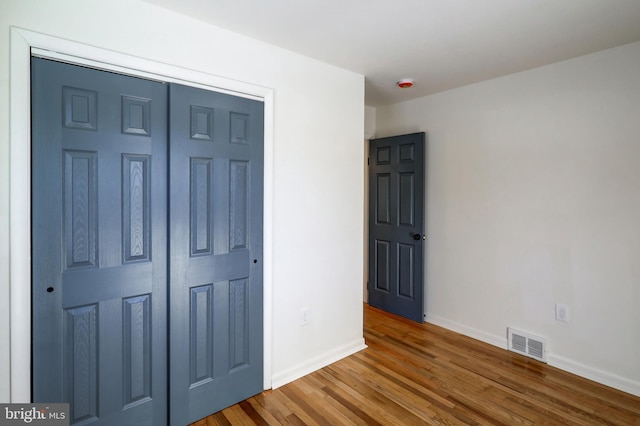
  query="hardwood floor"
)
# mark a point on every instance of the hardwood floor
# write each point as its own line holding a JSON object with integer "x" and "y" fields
{"x": 419, "y": 374}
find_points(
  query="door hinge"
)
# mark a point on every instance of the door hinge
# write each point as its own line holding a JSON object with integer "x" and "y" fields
{"x": 368, "y": 161}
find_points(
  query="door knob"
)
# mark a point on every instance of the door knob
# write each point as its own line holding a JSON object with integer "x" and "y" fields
{"x": 417, "y": 237}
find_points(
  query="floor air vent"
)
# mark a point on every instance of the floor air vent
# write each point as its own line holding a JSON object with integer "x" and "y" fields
{"x": 527, "y": 344}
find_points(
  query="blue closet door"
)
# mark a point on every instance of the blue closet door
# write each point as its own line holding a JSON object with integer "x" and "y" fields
{"x": 99, "y": 238}
{"x": 216, "y": 204}
{"x": 147, "y": 247}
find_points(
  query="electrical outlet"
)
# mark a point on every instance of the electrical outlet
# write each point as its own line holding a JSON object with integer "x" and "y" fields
{"x": 304, "y": 316}
{"x": 562, "y": 312}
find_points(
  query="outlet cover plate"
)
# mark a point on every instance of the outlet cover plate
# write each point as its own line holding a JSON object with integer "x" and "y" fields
{"x": 562, "y": 312}
{"x": 304, "y": 316}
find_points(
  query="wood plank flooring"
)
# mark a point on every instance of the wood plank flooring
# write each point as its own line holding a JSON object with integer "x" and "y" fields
{"x": 421, "y": 374}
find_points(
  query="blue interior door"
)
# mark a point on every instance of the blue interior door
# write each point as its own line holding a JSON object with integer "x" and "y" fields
{"x": 147, "y": 289}
{"x": 396, "y": 224}
{"x": 216, "y": 161}
{"x": 99, "y": 214}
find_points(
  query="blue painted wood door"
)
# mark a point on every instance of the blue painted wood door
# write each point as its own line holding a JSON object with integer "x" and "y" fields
{"x": 216, "y": 158}
{"x": 141, "y": 280}
{"x": 396, "y": 224}
{"x": 99, "y": 244}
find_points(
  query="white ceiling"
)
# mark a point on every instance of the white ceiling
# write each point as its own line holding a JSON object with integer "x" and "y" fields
{"x": 440, "y": 44}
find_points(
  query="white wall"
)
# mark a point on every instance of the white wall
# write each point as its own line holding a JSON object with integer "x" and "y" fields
{"x": 533, "y": 198}
{"x": 318, "y": 118}
{"x": 369, "y": 122}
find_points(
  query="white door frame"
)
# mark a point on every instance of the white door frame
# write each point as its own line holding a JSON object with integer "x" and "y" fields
{"x": 24, "y": 43}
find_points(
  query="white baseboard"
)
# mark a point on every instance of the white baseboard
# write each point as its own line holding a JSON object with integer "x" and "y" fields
{"x": 595, "y": 374}
{"x": 492, "y": 339}
{"x": 316, "y": 363}
{"x": 574, "y": 367}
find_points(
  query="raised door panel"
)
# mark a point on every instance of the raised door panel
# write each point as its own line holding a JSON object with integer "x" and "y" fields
{"x": 201, "y": 335}
{"x": 382, "y": 267}
{"x": 406, "y": 199}
{"x": 201, "y": 182}
{"x": 137, "y": 349}
{"x": 383, "y": 206}
{"x": 136, "y": 193}
{"x": 80, "y": 381}
{"x": 80, "y": 208}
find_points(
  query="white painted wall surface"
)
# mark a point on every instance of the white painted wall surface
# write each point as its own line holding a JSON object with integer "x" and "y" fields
{"x": 533, "y": 198}
{"x": 317, "y": 200}
{"x": 369, "y": 122}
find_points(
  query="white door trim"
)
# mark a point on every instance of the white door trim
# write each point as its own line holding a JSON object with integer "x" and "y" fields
{"x": 24, "y": 43}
